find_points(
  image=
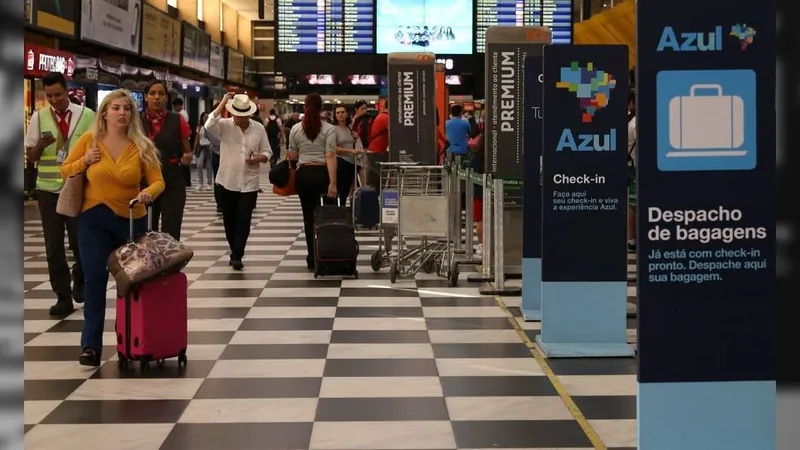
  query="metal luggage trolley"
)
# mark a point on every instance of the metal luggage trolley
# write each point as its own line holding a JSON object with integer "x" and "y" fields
{"x": 422, "y": 213}
{"x": 389, "y": 196}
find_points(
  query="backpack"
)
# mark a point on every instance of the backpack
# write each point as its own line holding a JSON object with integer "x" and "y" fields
{"x": 273, "y": 129}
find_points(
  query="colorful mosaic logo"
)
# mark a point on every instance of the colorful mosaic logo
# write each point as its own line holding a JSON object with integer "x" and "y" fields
{"x": 592, "y": 86}
{"x": 744, "y": 34}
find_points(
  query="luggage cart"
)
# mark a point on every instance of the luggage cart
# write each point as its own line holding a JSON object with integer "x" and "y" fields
{"x": 422, "y": 213}
{"x": 389, "y": 199}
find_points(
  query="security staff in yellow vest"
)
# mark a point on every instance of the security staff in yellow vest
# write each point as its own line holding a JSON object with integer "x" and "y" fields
{"x": 51, "y": 133}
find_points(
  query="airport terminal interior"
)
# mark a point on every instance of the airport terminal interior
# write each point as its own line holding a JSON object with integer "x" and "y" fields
{"x": 403, "y": 355}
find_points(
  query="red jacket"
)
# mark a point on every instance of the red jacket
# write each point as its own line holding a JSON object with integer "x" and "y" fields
{"x": 379, "y": 134}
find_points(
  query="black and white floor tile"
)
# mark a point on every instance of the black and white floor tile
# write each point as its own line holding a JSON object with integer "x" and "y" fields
{"x": 279, "y": 360}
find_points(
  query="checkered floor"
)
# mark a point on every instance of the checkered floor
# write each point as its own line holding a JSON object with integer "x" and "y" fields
{"x": 278, "y": 360}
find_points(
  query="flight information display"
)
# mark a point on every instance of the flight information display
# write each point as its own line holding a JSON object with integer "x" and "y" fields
{"x": 325, "y": 26}
{"x": 555, "y": 14}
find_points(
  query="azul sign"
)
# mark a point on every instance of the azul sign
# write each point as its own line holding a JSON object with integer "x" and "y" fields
{"x": 587, "y": 142}
{"x": 704, "y": 41}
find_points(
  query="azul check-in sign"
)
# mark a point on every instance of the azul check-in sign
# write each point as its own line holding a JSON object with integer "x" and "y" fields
{"x": 584, "y": 189}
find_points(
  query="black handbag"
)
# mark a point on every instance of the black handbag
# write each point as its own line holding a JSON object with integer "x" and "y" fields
{"x": 279, "y": 175}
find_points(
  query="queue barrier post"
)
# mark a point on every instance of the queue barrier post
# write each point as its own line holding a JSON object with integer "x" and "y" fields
{"x": 465, "y": 176}
{"x": 486, "y": 258}
{"x": 498, "y": 285}
{"x": 455, "y": 201}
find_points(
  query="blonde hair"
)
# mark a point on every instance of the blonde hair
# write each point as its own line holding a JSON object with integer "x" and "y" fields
{"x": 147, "y": 150}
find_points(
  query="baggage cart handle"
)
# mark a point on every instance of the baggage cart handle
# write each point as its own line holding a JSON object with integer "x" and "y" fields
{"x": 322, "y": 200}
{"x": 149, "y": 217}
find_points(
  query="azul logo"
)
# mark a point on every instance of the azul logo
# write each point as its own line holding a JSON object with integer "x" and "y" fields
{"x": 587, "y": 142}
{"x": 703, "y": 41}
{"x": 590, "y": 84}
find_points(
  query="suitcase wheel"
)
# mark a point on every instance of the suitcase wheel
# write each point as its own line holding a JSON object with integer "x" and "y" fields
{"x": 122, "y": 360}
{"x": 182, "y": 361}
{"x": 144, "y": 364}
{"x": 160, "y": 362}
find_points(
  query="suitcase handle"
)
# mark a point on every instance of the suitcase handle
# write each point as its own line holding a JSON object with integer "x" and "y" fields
{"x": 149, "y": 217}
{"x": 716, "y": 87}
{"x": 322, "y": 201}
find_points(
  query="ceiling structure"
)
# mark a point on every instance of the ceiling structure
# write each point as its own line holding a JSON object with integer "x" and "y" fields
{"x": 249, "y": 8}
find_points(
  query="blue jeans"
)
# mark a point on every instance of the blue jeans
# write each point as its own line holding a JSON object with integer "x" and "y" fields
{"x": 100, "y": 232}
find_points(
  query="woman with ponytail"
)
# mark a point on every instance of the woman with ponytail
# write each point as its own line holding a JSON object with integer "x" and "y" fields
{"x": 312, "y": 143}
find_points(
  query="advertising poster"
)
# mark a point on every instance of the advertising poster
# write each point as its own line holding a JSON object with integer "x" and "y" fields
{"x": 585, "y": 170}
{"x": 114, "y": 23}
{"x": 412, "y": 108}
{"x": 161, "y": 36}
{"x": 506, "y": 51}
{"x": 196, "y": 52}
{"x": 54, "y": 15}
{"x": 216, "y": 66}
{"x": 437, "y": 26}
{"x": 41, "y": 60}
{"x": 706, "y": 224}
{"x": 235, "y": 66}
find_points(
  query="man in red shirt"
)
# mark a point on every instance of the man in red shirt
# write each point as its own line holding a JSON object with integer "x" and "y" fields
{"x": 377, "y": 151}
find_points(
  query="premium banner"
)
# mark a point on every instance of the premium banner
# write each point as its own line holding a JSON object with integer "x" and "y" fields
{"x": 161, "y": 36}
{"x": 196, "y": 53}
{"x": 112, "y": 23}
{"x": 506, "y": 51}
{"x": 584, "y": 202}
{"x": 216, "y": 67}
{"x": 706, "y": 222}
{"x": 55, "y": 15}
{"x": 412, "y": 107}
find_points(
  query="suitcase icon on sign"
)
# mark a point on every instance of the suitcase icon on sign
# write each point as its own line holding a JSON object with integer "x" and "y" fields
{"x": 706, "y": 123}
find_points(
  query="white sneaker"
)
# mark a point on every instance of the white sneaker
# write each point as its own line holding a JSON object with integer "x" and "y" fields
{"x": 206, "y": 187}
{"x": 198, "y": 188}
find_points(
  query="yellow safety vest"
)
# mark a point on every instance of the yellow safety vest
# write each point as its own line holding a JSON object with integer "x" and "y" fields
{"x": 49, "y": 178}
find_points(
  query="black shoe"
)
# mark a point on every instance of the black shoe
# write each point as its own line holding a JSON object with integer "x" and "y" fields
{"x": 77, "y": 292}
{"x": 631, "y": 247}
{"x": 62, "y": 308}
{"x": 90, "y": 358}
{"x": 237, "y": 264}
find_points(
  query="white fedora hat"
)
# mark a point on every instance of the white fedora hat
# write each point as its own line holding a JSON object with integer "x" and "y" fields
{"x": 240, "y": 105}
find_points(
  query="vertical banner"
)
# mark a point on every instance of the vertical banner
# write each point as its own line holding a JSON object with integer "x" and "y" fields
{"x": 412, "y": 108}
{"x": 706, "y": 225}
{"x": 442, "y": 101}
{"x": 584, "y": 201}
{"x": 532, "y": 190}
{"x": 506, "y": 50}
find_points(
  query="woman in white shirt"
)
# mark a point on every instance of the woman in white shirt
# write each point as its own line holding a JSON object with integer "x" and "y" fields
{"x": 243, "y": 148}
{"x": 202, "y": 151}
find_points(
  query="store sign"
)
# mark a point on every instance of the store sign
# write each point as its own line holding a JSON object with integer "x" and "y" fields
{"x": 235, "y": 70}
{"x": 196, "y": 49}
{"x": 58, "y": 16}
{"x": 217, "y": 61}
{"x": 40, "y": 60}
{"x": 161, "y": 36}
{"x": 113, "y": 24}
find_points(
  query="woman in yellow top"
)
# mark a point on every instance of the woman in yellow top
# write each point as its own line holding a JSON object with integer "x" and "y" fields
{"x": 113, "y": 172}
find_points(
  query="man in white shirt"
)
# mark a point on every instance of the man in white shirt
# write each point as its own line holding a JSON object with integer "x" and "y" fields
{"x": 243, "y": 148}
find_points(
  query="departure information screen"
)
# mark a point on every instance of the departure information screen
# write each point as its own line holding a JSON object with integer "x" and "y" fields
{"x": 556, "y": 14}
{"x": 325, "y": 26}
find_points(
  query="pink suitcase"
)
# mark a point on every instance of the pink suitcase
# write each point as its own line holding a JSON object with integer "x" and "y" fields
{"x": 152, "y": 320}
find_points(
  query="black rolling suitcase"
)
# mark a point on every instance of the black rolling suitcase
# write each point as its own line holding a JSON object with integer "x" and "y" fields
{"x": 336, "y": 247}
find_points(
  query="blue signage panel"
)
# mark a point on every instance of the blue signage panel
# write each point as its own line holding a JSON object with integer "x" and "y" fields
{"x": 532, "y": 192}
{"x": 706, "y": 225}
{"x": 585, "y": 163}
{"x": 584, "y": 201}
